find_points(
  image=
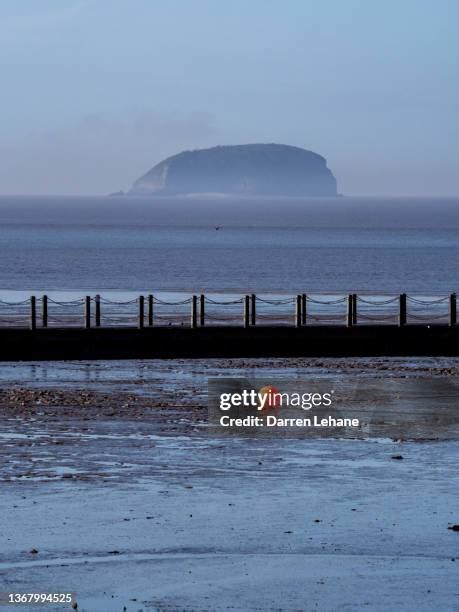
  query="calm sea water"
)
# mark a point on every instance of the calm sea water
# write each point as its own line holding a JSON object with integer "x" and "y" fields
{"x": 97, "y": 244}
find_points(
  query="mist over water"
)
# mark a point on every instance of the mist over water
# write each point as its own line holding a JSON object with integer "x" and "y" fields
{"x": 292, "y": 245}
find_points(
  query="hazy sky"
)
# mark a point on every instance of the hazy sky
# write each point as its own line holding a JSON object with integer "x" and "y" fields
{"x": 95, "y": 92}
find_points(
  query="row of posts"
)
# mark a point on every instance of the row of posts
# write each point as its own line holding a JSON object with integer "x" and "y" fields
{"x": 250, "y": 311}
{"x": 87, "y": 316}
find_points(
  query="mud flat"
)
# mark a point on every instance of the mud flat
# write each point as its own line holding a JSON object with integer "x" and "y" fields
{"x": 107, "y": 471}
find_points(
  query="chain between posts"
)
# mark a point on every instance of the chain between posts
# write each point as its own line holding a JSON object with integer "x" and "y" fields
{"x": 46, "y": 311}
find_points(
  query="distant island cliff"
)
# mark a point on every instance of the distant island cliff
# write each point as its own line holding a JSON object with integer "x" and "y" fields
{"x": 252, "y": 169}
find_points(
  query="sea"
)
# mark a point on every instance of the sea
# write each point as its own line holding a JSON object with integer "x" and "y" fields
{"x": 223, "y": 244}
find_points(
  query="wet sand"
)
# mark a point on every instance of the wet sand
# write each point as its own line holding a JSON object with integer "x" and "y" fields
{"x": 108, "y": 472}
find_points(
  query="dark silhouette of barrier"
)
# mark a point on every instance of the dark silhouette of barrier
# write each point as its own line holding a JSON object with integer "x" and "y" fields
{"x": 245, "y": 326}
{"x": 223, "y": 341}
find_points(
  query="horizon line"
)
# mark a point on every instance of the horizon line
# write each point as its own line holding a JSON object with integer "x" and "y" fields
{"x": 121, "y": 195}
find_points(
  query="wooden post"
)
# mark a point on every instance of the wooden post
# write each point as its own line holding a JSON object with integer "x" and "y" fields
{"x": 97, "y": 302}
{"x": 247, "y": 311}
{"x": 150, "y": 310}
{"x": 44, "y": 311}
{"x": 350, "y": 310}
{"x": 202, "y": 310}
{"x": 452, "y": 309}
{"x": 303, "y": 308}
{"x": 141, "y": 311}
{"x": 253, "y": 315}
{"x": 402, "y": 310}
{"x": 194, "y": 311}
{"x": 33, "y": 312}
{"x": 87, "y": 312}
{"x": 298, "y": 311}
{"x": 354, "y": 309}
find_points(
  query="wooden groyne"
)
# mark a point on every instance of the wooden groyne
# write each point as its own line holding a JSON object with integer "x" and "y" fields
{"x": 201, "y": 326}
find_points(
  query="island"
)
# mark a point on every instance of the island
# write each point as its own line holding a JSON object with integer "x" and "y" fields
{"x": 246, "y": 170}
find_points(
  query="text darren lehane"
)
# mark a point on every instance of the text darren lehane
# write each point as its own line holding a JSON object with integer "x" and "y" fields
{"x": 273, "y": 421}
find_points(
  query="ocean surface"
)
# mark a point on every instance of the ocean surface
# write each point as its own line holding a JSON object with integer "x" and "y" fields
{"x": 205, "y": 244}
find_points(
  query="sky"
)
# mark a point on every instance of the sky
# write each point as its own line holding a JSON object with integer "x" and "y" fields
{"x": 95, "y": 92}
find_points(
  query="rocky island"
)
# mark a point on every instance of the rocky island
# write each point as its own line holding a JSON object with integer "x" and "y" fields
{"x": 251, "y": 169}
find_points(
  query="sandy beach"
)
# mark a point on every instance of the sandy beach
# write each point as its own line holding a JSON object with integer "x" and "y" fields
{"x": 108, "y": 472}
